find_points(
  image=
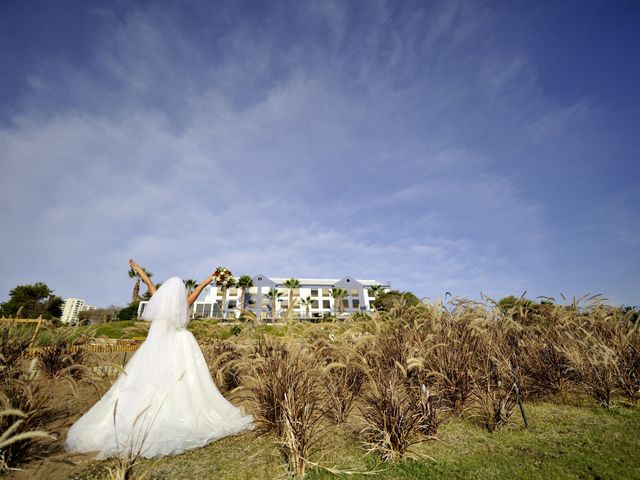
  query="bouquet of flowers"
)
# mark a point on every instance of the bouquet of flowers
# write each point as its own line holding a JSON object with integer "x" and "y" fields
{"x": 222, "y": 276}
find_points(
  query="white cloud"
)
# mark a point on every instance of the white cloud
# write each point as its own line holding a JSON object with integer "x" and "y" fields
{"x": 306, "y": 175}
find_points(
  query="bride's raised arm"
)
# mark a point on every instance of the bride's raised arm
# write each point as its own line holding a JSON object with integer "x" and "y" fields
{"x": 196, "y": 292}
{"x": 143, "y": 276}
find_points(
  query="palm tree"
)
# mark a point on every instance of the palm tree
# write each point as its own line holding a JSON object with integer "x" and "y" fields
{"x": 135, "y": 295}
{"x": 291, "y": 284}
{"x": 274, "y": 295}
{"x": 147, "y": 295}
{"x": 244, "y": 282}
{"x": 307, "y": 302}
{"x": 376, "y": 290}
{"x": 228, "y": 284}
{"x": 190, "y": 284}
{"x": 338, "y": 294}
{"x": 136, "y": 286}
{"x": 343, "y": 293}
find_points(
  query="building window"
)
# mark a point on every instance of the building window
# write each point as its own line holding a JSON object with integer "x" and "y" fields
{"x": 314, "y": 303}
{"x": 232, "y": 304}
{"x": 326, "y": 303}
{"x": 314, "y": 292}
{"x": 345, "y": 302}
{"x": 354, "y": 292}
{"x": 356, "y": 303}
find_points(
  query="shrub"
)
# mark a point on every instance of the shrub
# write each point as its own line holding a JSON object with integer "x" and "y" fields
{"x": 428, "y": 408}
{"x": 454, "y": 361}
{"x": 60, "y": 356}
{"x": 222, "y": 358}
{"x": 596, "y": 367}
{"x": 34, "y": 400}
{"x": 287, "y": 399}
{"x": 386, "y": 300}
{"x": 391, "y": 413}
{"x": 344, "y": 376}
{"x": 545, "y": 362}
{"x": 129, "y": 312}
{"x": 8, "y": 437}
{"x": 14, "y": 342}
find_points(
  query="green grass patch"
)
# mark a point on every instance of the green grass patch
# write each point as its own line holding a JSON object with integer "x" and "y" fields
{"x": 122, "y": 329}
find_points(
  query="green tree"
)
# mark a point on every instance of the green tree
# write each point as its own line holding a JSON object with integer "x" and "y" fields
{"x": 244, "y": 282}
{"x": 385, "y": 300}
{"x": 307, "y": 302}
{"x": 291, "y": 284}
{"x": 129, "y": 312}
{"x": 274, "y": 295}
{"x": 338, "y": 294}
{"x": 31, "y": 301}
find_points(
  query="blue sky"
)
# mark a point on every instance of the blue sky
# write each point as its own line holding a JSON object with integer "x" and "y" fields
{"x": 442, "y": 146}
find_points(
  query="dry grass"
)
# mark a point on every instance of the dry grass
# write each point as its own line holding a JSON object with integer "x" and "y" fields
{"x": 286, "y": 395}
{"x": 59, "y": 357}
{"x": 397, "y": 379}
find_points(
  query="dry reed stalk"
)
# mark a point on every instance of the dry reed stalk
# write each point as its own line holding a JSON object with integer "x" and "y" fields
{"x": 428, "y": 408}
{"x": 284, "y": 385}
{"x": 61, "y": 359}
{"x": 392, "y": 415}
{"x": 454, "y": 360}
{"x": 545, "y": 363}
{"x": 11, "y": 434}
{"x": 343, "y": 376}
{"x": 222, "y": 359}
{"x": 34, "y": 399}
{"x": 596, "y": 366}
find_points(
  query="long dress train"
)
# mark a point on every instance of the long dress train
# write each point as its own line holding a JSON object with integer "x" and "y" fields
{"x": 165, "y": 401}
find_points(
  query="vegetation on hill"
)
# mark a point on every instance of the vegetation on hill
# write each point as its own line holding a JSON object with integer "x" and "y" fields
{"x": 368, "y": 397}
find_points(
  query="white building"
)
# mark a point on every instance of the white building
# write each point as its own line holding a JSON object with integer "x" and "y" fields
{"x": 359, "y": 298}
{"x": 72, "y": 307}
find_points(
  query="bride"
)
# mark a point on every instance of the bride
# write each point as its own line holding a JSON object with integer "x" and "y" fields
{"x": 165, "y": 401}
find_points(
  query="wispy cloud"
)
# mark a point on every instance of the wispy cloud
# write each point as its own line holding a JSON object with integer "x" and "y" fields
{"x": 311, "y": 140}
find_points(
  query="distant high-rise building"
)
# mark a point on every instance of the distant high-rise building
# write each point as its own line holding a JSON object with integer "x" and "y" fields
{"x": 72, "y": 307}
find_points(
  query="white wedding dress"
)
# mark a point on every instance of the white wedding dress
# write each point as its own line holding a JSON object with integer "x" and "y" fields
{"x": 165, "y": 401}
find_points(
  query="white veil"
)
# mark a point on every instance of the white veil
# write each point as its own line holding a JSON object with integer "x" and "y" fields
{"x": 169, "y": 306}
